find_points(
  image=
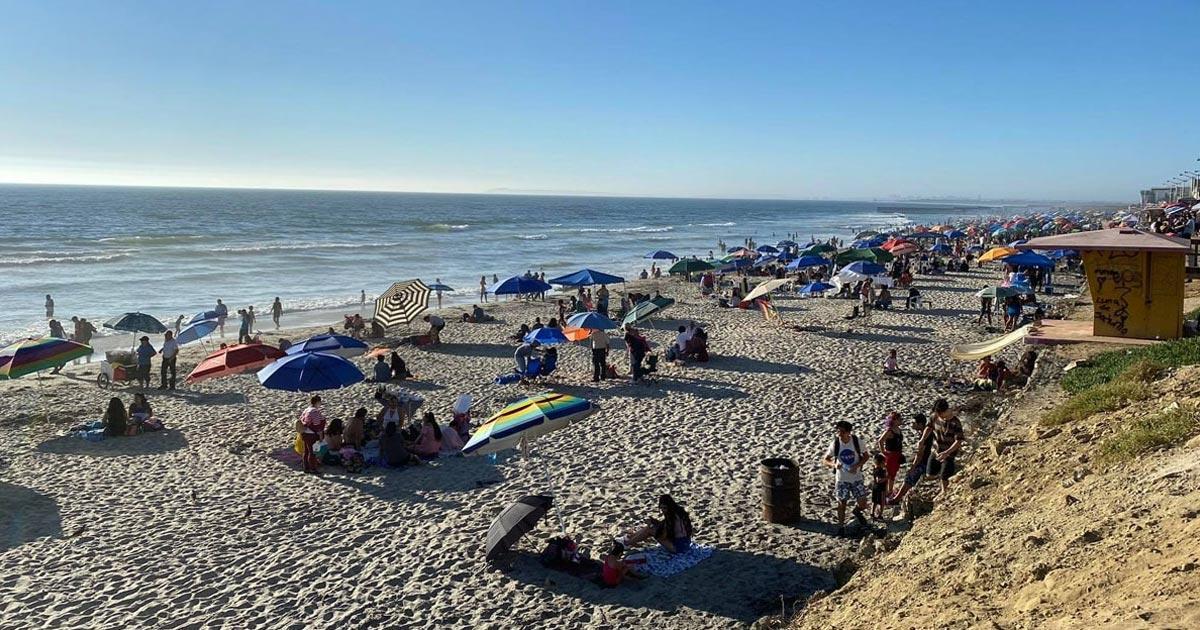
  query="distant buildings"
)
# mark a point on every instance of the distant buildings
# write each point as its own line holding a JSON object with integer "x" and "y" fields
{"x": 1190, "y": 190}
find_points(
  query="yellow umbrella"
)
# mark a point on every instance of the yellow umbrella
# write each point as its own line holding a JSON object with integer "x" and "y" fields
{"x": 996, "y": 253}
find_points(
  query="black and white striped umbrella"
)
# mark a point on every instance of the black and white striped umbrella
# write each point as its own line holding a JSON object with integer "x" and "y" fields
{"x": 401, "y": 303}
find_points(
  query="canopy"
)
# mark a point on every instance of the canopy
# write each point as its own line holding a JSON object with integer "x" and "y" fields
{"x": 546, "y": 336}
{"x": 521, "y": 285}
{"x": 764, "y": 289}
{"x": 808, "y": 261}
{"x": 513, "y": 522}
{"x": 1027, "y": 259}
{"x": 644, "y": 310}
{"x": 661, "y": 254}
{"x": 309, "y": 372}
{"x": 401, "y": 303}
{"x": 690, "y": 265}
{"x": 1111, "y": 239}
{"x": 590, "y": 320}
{"x": 529, "y": 418}
{"x": 586, "y": 278}
{"x": 234, "y": 360}
{"x": 136, "y": 322}
{"x": 341, "y": 345}
{"x": 34, "y": 355}
{"x": 196, "y": 331}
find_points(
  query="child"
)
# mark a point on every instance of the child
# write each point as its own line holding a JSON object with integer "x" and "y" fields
{"x": 614, "y": 569}
{"x": 879, "y": 484}
{"x": 891, "y": 366}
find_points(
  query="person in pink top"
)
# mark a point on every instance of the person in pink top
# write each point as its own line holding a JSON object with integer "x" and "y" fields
{"x": 311, "y": 427}
{"x": 429, "y": 442}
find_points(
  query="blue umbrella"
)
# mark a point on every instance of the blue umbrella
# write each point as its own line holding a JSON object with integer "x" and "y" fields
{"x": 591, "y": 320}
{"x": 933, "y": 235}
{"x": 787, "y": 244}
{"x": 956, "y": 234}
{"x": 738, "y": 263}
{"x": 309, "y": 372}
{"x": 1027, "y": 259}
{"x": 861, "y": 244}
{"x": 586, "y": 277}
{"x": 438, "y": 286}
{"x": 787, "y": 256}
{"x": 865, "y": 268}
{"x": 135, "y": 323}
{"x": 808, "y": 261}
{"x": 765, "y": 260}
{"x": 205, "y": 315}
{"x": 196, "y": 331}
{"x": 341, "y": 345}
{"x": 1018, "y": 242}
{"x": 520, "y": 285}
{"x": 975, "y": 249}
{"x": 546, "y": 336}
{"x": 767, "y": 249}
{"x": 813, "y": 288}
{"x": 661, "y": 254}
{"x": 1062, "y": 253}
{"x": 940, "y": 248}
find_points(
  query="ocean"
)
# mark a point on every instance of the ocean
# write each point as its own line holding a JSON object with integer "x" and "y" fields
{"x": 102, "y": 251}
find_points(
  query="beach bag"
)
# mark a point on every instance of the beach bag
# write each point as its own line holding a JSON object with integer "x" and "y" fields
{"x": 560, "y": 549}
{"x": 153, "y": 424}
{"x": 298, "y": 445}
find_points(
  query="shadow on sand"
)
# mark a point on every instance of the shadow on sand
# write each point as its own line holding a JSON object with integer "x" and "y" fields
{"x": 736, "y": 585}
{"x": 491, "y": 350}
{"x": 874, "y": 337}
{"x": 154, "y": 443}
{"x": 726, "y": 363}
{"x": 26, "y": 515}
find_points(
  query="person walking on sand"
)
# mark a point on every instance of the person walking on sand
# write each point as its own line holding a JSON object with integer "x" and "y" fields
{"x": 483, "y": 289}
{"x": 311, "y": 428}
{"x": 947, "y": 442}
{"x": 600, "y": 345}
{"x": 169, "y": 352}
{"x": 222, "y": 312}
{"x": 49, "y": 307}
{"x": 145, "y": 352}
{"x": 846, "y": 457}
{"x": 276, "y": 311}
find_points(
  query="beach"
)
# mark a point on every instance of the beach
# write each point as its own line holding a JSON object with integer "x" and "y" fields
{"x": 209, "y": 523}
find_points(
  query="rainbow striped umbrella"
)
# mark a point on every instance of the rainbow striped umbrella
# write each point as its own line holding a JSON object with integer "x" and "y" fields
{"x": 528, "y": 418}
{"x": 34, "y": 355}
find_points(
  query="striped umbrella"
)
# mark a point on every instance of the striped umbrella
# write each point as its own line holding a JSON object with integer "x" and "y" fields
{"x": 529, "y": 418}
{"x": 401, "y": 303}
{"x": 34, "y": 355}
{"x": 234, "y": 360}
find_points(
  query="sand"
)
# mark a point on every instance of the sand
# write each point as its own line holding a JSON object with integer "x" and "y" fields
{"x": 202, "y": 525}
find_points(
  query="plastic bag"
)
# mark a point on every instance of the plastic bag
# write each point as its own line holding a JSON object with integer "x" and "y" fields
{"x": 298, "y": 445}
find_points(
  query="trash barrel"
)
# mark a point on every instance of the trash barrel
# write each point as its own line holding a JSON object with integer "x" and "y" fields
{"x": 780, "y": 490}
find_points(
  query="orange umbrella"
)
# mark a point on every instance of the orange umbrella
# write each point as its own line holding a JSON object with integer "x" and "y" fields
{"x": 234, "y": 360}
{"x": 575, "y": 334}
{"x": 996, "y": 253}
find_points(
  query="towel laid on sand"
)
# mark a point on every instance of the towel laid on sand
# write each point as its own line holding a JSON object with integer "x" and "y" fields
{"x": 661, "y": 563}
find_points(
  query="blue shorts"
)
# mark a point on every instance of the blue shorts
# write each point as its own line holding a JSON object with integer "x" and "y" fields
{"x": 915, "y": 472}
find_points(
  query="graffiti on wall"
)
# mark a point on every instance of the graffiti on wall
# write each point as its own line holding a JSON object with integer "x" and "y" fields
{"x": 1118, "y": 277}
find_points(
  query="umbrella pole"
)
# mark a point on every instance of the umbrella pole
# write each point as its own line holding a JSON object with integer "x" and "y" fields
{"x": 562, "y": 527}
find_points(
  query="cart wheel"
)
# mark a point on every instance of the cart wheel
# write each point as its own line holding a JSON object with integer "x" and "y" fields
{"x": 103, "y": 381}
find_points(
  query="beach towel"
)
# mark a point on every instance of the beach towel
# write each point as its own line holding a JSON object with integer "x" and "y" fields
{"x": 659, "y": 562}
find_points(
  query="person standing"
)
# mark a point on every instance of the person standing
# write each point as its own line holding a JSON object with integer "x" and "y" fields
{"x": 222, "y": 312}
{"x": 846, "y": 457}
{"x": 179, "y": 324}
{"x": 947, "y": 442}
{"x": 362, "y": 299}
{"x": 49, "y": 307}
{"x": 637, "y": 347}
{"x": 169, "y": 352}
{"x": 145, "y": 352}
{"x": 311, "y": 428}
{"x": 244, "y": 328}
{"x": 253, "y": 320}
{"x": 483, "y": 289}
{"x": 438, "y": 292}
{"x": 602, "y": 300}
{"x": 276, "y": 311}
{"x": 600, "y": 345}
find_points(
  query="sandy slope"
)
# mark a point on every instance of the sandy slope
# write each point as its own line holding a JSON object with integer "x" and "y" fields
{"x": 201, "y": 525}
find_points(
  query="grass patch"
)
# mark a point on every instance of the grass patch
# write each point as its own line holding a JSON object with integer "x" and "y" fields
{"x": 1107, "y": 367}
{"x": 1162, "y": 429}
{"x": 1106, "y": 397}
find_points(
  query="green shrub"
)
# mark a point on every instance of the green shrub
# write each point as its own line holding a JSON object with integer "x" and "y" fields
{"x": 1168, "y": 428}
{"x": 1106, "y": 397}
{"x": 1107, "y": 367}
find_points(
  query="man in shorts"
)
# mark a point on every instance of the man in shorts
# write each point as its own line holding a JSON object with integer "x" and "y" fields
{"x": 846, "y": 457}
{"x": 947, "y": 441}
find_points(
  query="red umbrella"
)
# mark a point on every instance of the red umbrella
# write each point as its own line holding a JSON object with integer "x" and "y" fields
{"x": 234, "y": 360}
{"x": 893, "y": 243}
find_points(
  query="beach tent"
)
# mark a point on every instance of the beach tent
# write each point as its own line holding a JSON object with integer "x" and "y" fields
{"x": 661, "y": 254}
{"x": 521, "y": 285}
{"x": 310, "y": 372}
{"x": 401, "y": 303}
{"x": 586, "y": 278}
{"x": 341, "y": 345}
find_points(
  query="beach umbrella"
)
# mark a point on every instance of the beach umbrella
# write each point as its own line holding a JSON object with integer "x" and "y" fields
{"x": 34, "y": 355}
{"x": 974, "y": 249}
{"x": 819, "y": 248}
{"x": 643, "y": 310}
{"x": 814, "y": 288}
{"x": 341, "y": 345}
{"x": 996, "y": 253}
{"x": 401, "y": 303}
{"x": 955, "y": 234}
{"x": 521, "y": 285}
{"x": 764, "y": 289}
{"x": 940, "y": 248}
{"x": 873, "y": 254}
{"x": 864, "y": 268}
{"x": 575, "y": 334}
{"x": 690, "y": 265}
{"x": 893, "y": 243}
{"x": 783, "y": 244}
{"x": 734, "y": 250}
{"x": 661, "y": 254}
{"x": 309, "y": 372}
{"x": 786, "y": 256}
{"x": 438, "y": 286}
{"x": 196, "y": 331}
{"x": 203, "y": 316}
{"x": 999, "y": 292}
{"x": 586, "y": 278}
{"x": 546, "y": 336}
{"x": 234, "y": 360}
{"x": 513, "y": 522}
{"x": 861, "y": 244}
{"x": 1018, "y": 242}
{"x": 528, "y": 419}
{"x": 767, "y": 249}
{"x": 866, "y": 234}
{"x": 1027, "y": 259}
{"x": 136, "y": 322}
{"x": 591, "y": 320}
{"x": 766, "y": 260}
{"x": 903, "y": 249}
{"x": 808, "y": 261}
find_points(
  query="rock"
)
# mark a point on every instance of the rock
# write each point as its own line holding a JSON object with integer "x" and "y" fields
{"x": 1080, "y": 474}
{"x": 1171, "y": 407}
{"x": 1039, "y": 570}
{"x": 1033, "y": 540}
{"x": 866, "y": 548}
{"x": 1088, "y": 537}
{"x": 1071, "y": 500}
{"x": 1194, "y": 442}
{"x": 978, "y": 482}
{"x": 1048, "y": 433}
{"x": 1070, "y": 366}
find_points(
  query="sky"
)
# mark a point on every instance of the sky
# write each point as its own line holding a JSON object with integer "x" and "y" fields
{"x": 806, "y": 100}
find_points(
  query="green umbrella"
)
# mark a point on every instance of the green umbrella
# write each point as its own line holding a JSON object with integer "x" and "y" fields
{"x": 690, "y": 265}
{"x": 882, "y": 255}
{"x": 818, "y": 249}
{"x": 645, "y": 309}
{"x": 874, "y": 254}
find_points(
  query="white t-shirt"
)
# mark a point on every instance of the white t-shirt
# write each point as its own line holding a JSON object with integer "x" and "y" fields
{"x": 845, "y": 458}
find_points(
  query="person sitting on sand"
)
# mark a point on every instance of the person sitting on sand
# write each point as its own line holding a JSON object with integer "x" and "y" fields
{"x": 399, "y": 368}
{"x": 334, "y": 434}
{"x": 383, "y": 371}
{"x": 355, "y": 432}
{"x": 891, "y": 365}
{"x": 522, "y": 355}
{"x": 537, "y": 324}
{"x": 461, "y": 424}
{"x": 429, "y": 441}
{"x": 521, "y": 332}
{"x": 392, "y": 452}
{"x": 116, "y": 420}
{"x": 140, "y": 412}
{"x": 985, "y": 375}
{"x": 480, "y": 316}
{"x": 391, "y": 412}
{"x": 884, "y": 301}
{"x": 613, "y": 569}
{"x": 674, "y": 532}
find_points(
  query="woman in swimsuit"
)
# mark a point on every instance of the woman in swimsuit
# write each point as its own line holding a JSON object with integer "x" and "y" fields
{"x": 673, "y": 532}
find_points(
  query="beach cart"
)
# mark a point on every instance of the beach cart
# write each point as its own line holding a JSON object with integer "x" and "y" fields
{"x": 118, "y": 366}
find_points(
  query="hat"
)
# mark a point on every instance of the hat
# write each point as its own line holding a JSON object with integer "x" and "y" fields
{"x": 842, "y": 425}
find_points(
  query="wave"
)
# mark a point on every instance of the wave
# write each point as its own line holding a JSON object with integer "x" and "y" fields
{"x": 532, "y": 237}
{"x": 725, "y": 224}
{"x": 640, "y": 228}
{"x": 273, "y": 247}
{"x": 62, "y": 258}
{"x": 151, "y": 239}
{"x": 448, "y": 227}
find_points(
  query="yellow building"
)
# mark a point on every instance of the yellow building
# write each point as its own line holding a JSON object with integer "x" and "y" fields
{"x": 1135, "y": 277}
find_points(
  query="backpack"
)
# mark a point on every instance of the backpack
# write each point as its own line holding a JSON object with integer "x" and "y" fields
{"x": 858, "y": 449}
